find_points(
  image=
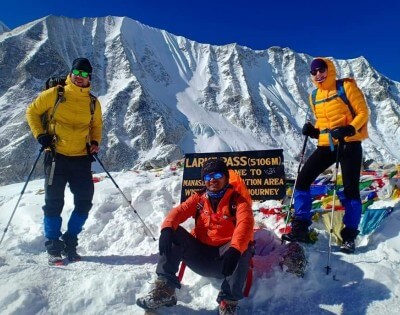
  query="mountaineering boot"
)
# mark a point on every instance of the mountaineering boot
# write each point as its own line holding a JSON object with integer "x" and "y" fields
{"x": 299, "y": 232}
{"x": 348, "y": 235}
{"x": 54, "y": 249}
{"x": 227, "y": 307}
{"x": 71, "y": 242}
{"x": 162, "y": 295}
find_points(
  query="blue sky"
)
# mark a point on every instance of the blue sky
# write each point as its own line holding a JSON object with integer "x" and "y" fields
{"x": 340, "y": 29}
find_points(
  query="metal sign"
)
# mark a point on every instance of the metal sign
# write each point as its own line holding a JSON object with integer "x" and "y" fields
{"x": 262, "y": 171}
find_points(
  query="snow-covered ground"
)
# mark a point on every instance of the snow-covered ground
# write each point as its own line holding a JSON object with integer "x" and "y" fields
{"x": 119, "y": 260}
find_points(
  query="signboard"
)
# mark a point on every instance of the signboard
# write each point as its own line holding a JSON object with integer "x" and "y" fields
{"x": 262, "y": 171}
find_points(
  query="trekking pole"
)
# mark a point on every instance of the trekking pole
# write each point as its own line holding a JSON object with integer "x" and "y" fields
{"x": 302, "y": 153}
{"x": 328, "y": 268}
{"x": 123, "y": 195}
{"x": 22, "y": 192}
{"x": 298, "y": 171}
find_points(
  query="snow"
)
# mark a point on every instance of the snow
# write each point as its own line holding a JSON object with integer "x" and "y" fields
{"x": 119, "y": 259}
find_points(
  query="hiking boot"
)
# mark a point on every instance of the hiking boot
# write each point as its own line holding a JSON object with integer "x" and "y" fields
{"x": 72, "y": 255}
{"x": 299, "y": 232}
{"x": 162, "y": 295}
{"x": 348, "y": 247}
{"x": 228, "y": 307}
{"x": 71, "y": 242}
{"x": 348, "y": 235}
{"x": 54, "y": 249}
{"x": 55, "y": 259}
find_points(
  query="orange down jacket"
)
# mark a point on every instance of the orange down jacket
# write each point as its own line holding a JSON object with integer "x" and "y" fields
{"x": 216, "y": 228}
{"x": 335, "y": 113}
{"x": 72, "y": 119}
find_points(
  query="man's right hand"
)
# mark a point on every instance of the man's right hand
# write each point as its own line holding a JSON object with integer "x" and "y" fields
{"x": 45, "y": 140}
{"x": 165, "y": 241}
{"x": 310, "y": 130}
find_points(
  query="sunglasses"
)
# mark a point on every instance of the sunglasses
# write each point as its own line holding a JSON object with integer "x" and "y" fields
{"x": 320, "y": 70}
{"x": 217, "y": 175}
{"x": 81, "y": 73}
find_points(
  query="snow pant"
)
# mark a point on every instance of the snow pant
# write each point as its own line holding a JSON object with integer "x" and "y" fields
{"x": 350, "y": 159}
{"x": 76, "y": 171}
{"x": 206, "y": 261}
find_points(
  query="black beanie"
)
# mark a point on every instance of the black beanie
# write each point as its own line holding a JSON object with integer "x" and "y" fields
{"x": 213, "y": 166}
{"x": 82, "y": 64}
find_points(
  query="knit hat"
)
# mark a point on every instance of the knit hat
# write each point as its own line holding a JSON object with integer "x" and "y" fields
{"x": 213, "y": 166}
{"x": 82, "y": 64}
{"x": 318, "y": 64}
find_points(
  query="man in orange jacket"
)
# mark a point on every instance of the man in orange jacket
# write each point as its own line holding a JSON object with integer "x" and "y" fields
{"x": 335, "y": 123}
{"x": 220, "y": 245}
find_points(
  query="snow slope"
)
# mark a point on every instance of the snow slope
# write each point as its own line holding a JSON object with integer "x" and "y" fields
{"x": 119, "y": 260}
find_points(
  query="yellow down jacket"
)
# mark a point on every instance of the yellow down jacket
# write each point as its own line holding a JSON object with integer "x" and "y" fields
{"x": 72, "y": 119}
{"x": 334, "y": 112}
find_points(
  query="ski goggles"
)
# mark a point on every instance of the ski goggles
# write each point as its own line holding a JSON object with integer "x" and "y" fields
{"x": 81, "y": 73}
{"x": 315, "y": 71}
{"x": 209, "y": 177}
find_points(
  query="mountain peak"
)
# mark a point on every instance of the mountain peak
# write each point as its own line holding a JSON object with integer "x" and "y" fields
{"x": 163, "y": 95}
{"x": 3, "y": 28}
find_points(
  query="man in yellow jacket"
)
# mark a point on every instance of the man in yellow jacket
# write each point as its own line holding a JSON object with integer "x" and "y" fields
{"x": 334, "y": 123}
{"x": 220, "y": 245}
{"x": 74, "y": 133}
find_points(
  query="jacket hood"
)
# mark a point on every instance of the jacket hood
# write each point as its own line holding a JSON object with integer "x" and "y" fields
{"x": 330, "y": 82}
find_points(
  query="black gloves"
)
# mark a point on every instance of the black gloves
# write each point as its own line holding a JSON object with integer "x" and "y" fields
{"x": 45, "y": 140}
{"x": 230, "y": 261}
{"x": 165, "y": 241}
{"x": 341, "y": 132}
{"x": 310, "y": 130}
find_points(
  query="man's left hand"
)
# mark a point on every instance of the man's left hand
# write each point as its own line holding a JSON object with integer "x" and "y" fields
{"x": 230, "y": 261}
{"x": 341, "y": 132}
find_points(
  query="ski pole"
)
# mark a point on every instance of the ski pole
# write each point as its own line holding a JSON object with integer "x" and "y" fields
{"x": 22, "y": 192}
{"x": 328, "y": 268}
{"x": 123, "y": 195}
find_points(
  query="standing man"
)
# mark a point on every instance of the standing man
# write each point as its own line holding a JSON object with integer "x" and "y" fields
{"x": 220, "y": 246}
{"x": 73, "y": 134}
{"x": 338, "y": 127}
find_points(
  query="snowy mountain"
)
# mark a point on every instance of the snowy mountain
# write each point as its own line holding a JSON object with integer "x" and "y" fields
{"x": 3, "y": 28}
{"x": 164, "y": 95}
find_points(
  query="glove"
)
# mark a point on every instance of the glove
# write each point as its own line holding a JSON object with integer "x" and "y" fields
{"x": 45, "y": 140}
{"x": 310, "y": 130}
{"x": 341, "y": 132}
{"x": 230, "y": 261}
{"x": 165, "y": 242}
{"x": 94, "y": 147}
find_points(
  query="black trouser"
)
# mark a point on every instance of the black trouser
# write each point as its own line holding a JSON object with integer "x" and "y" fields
{"x": 206, "y": 261}
{"x": 76, "y": 171}
{"x": 350, "y": 159}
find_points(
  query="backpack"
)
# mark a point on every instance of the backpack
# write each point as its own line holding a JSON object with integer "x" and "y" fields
{"x": 240, "y": 190}
{"x": 59, "y": 82}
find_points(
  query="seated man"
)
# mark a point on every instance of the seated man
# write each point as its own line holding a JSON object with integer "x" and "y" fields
{"x": 220, "y": 245}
